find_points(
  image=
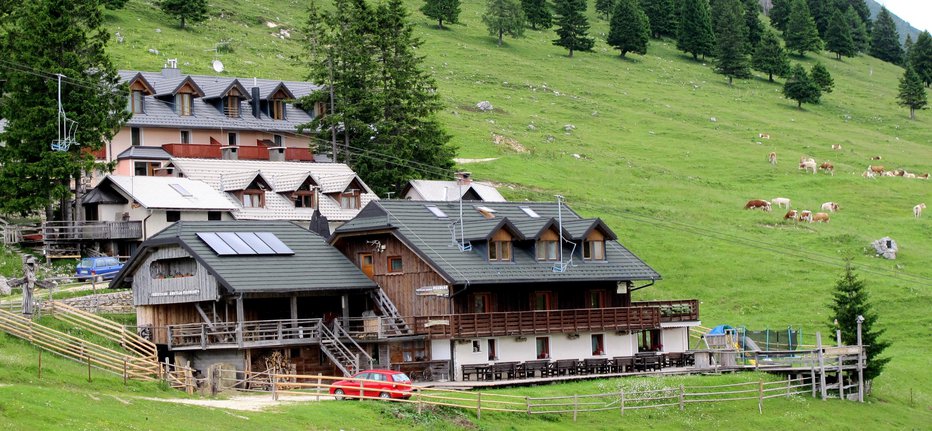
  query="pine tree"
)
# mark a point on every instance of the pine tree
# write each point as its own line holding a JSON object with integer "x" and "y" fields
{"x": 779, "y": 13}
{"x": 752, "y": 20}
{"x": 572, "y": 26}
{"x": 770, "y": 57}
{"x": 821, "y": 78}
{"x": 185, "y": 10}
{"x": 503, "y": 17}
{"x": 442, "y": 10}
{"x": 731, "y": 41}
{"x": 858, "y": 29}
{"x": 920, "y": 57}
{"x": 629, "y": 31}
{"x": 694, "y": 34}
{"x": 908, "y": 47}
{"x": 912, "y": 94}
{"x": 863, "y": 12}
{"x": 538, "y": 13}
{"x": 32, "y": 176}
{"x": 885, "y": 41}
{"x": 820, "y": 10}
{"x": 838, "y": 37}
{"x": 850, "y": 300}
{"x": 605, "y": 8}
{"x": 799, "y": 87}
{"x": 801, "y": 34}
{"x": 661, "y": 17}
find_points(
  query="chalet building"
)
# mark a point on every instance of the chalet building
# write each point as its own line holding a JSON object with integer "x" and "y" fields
{"x": 241, "y": 292}
{"x": 431, "y": 190}
{"x": 500, "y": 285}
{"x": 201, "y": 116}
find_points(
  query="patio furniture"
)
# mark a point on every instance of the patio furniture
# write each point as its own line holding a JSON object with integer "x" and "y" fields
{"x": 567, "y": 367}
{"x": 505, "y": 370}
{"x": 623, "y": 364}
{"x": 595, "y": 365}
{"x": 480, "y": 370}
{"x": 540, "y": 367}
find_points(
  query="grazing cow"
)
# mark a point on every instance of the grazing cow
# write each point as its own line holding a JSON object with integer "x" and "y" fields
{"x": 791, "y": 215}
{"x": 830, "y": 206}
{"x": 869, "y": 174}
{"x": 889, "y": 174}
{"x": 757, "y": 203}
{"x": 876, "y": 158}
{"x": 805, "y": 215}
{"x": 899, "y": 172}
{"x": 828, "y": 167}
{"x": 909, "y": 175}
{"x": 772, "y": 157}
{"x": 763, "y": 135}
{"x": 917, "y": 210}
{"x": 836, "y": 147}
{"x": 809, "y": 165}
{"x": 924, "y": 176}
{"x": 804, "y": 159}
{"x": 781, "y": 202}
{"x": 875, "y": 169}
{"x": 819, "y": 217}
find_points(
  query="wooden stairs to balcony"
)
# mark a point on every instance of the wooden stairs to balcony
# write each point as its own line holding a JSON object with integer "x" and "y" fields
{"x": 348, "y": 360}
{"x": 394, "y": 322}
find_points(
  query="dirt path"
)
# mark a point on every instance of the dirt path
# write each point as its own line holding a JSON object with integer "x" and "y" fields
{"x": 247, "y": 403}
{"x": 467, "y": 161}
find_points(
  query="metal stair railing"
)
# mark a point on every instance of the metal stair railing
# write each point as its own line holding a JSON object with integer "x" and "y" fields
{"x": 395, "y": 322}
{"x": 341, "y": 355}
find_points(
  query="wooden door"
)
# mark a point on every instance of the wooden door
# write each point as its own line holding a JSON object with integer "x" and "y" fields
{"x": 366, "y": 264}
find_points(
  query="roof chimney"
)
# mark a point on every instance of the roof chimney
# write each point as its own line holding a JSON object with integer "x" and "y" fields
{"x": 463, "y": 178}
{"x": 277, "y": 154}
{"x": 229, "y": 152}
{"x": 255, "y": 100}
{"x": 170, "y": 70}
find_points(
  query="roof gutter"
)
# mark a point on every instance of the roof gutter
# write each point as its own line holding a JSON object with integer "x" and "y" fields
{"x": 641, "y": 287}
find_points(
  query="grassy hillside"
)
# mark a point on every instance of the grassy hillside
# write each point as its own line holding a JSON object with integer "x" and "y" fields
{"x": 663, "y": 150}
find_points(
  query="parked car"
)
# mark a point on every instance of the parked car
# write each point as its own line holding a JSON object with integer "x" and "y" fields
{"x": 97, "y": 268}
{"x": 375, "y": 383}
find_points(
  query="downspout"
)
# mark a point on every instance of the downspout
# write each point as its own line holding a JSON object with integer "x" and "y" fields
{"x": 145, "y": 222}
{"x": 641, "y": 287}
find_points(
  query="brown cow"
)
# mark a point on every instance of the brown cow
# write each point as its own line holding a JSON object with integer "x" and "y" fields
{"x": 757, "y": 203}
{"x": 819, "y": 217}
{"x": 875, "y": 169}
{"x": 924, "y": 176}
{"x": 772, "y": 158}
{"x": 876, "y": 158}
{"x": 828, "y": 167}
{"x": 805, "y": 215}
{"x": 791, "y": 215}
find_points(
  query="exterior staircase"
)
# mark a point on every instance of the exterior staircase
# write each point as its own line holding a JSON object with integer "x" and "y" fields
{"x": 395, "y": 324}
{"x": 348, "y": 360}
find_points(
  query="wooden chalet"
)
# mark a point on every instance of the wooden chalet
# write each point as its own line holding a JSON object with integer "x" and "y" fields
{"x": 241, "y": 292}
{"x": 489, "y": 282}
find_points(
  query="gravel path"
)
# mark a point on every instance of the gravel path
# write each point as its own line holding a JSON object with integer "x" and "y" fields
{"x": 248, "y": 403}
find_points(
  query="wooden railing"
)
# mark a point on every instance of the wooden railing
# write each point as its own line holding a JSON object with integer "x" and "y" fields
{"x": 674, "y": 311}
{"x": 194, "y": 151}
{"x": 248, "y": 334}
{"x": 539, "y": 322}
{"x": 76, "y": 231}
{"x": 244, "y": 152}
{"x": 375, "y": 327}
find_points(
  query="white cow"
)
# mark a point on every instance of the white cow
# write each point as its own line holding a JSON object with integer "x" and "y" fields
{"x": 830, "y": 207}
{"x": 917, "y": 210}
{"x": 781, "y": 202}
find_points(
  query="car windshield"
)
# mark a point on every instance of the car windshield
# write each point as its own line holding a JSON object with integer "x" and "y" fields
{"x": 86, "y": 262}
{"x": 400, "y": 378}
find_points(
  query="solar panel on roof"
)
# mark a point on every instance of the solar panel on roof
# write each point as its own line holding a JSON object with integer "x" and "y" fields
{"x": 257, "y": 244}
{"x": 236, "y": 243}
{"x": 216, "y": 244}
{"x": 436, "y": 211}
{"x": 530, "y": 212}
{"x": 273, "y": 241}
{"x": 181, "y": 190}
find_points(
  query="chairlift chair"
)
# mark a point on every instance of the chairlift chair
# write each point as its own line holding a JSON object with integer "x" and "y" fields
{"x": 66, "y": 128}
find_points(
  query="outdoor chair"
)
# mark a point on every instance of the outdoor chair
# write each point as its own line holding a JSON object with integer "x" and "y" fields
{"x": 567, "y": 367}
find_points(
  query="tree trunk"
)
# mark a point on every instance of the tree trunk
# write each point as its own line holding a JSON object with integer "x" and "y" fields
{"x": 912, "y": 113}
{"x": 440, "y": 23}
{"x": 695, "y": 56}
{"x": 182, "y": 22}
{"x": 571, "y": 52}
{"x": 799, "y": 104}
{"x": 730, "y": 81}
{"x": 500, "y": 37}
{"x": 771, "y": 77}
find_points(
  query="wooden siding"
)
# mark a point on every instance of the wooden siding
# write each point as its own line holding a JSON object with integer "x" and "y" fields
{"x": 150, "y": 291}
{"x": 159, "y": 317}
{"x": 518, "y": 296}
{"x": 400, "y": 287}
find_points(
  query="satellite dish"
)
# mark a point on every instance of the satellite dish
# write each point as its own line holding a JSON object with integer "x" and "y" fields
{"x": 218, "y": 66}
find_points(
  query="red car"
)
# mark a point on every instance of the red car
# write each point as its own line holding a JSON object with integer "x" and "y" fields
{"x": 375, "y": 383}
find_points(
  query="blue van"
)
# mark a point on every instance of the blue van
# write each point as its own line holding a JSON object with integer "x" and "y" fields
{"x": 97, "y": 268}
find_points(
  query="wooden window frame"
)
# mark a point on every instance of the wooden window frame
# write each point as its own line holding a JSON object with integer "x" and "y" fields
{"x": 252, "y": 192}
{"x": 231, "y": 106}
{"x": 602, "y": 296}
{"x": 487, "y": 302}
{"x": 548, "y": 300}
{"x": 545, "y": 247}
{"x": 391, "y": 267}
{"x": 410, "y": 350}
{"x": 542, "y": 353}
{"x": 137, "y": 102}
{"x": 591, "y": 252}
{"x": 184, "y": 102}
{"x": 598, "y": 344}
{"x": 354, "y": 197}
{"x": 302, "y": 195}
{"x": 277, "y": 109}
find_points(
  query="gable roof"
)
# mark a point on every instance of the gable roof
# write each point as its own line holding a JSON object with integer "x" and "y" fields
{"x": 278, "y": 206}
{"x": 432, "y": 238}
{"x": 143, "y": 152}
{"x": 314, "y": 266}
{"x": 163, "y": 193}
{"x": 431, "y": 190}
{"x": 243, "y": 92}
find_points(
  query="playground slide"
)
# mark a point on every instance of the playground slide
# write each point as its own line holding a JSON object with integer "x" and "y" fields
{"x": 749, "y": 344}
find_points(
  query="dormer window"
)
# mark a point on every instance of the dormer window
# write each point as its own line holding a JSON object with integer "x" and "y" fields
{"x": 350, "y": 199}
{"x": 277, "y": 109}
{"x": 594, "y": 246}
{"x": 500, "y": 247}
{"x": 231, "y": 104}
{"x": 253, "y": 198}
{"x": 183, "y": 103}
{"x": 547, "y": 246}
{"x": 320, "y": 109}
{"x": 135, "y": 102}
{"x": 304, "y": 199}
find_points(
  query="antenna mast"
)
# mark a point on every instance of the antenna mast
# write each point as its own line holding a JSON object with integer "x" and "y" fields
{"x": 463, "y": 178}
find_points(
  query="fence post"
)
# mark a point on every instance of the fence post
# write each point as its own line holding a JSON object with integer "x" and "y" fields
{"x": 124, "y": 371}
{"x": 40, "y": 364}
{"x": 841, "y": 372}
{"x": 788, "y": 379}
{"x": 420, "y": 404}
{"x": 274, "y": 386}
{"x": 319, "y": 384}
{"x": 818, "y": 339}
{"x": 575, "y": 406}
{"x": 527, "y": 400}
{"x": 622, "y": 402}
{"x": 362, "y": 393}
{"x": 478, "y": 405}
{"x": 88, "y": 369}
{"x": 760, "y": 396}
{"x": 682, "y": 395}
{"x": 812, "y": 376}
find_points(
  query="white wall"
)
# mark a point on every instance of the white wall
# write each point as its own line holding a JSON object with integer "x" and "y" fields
{"x": 440, "y": 350}
{"x": 675, "y": 339}
{"x": 156, "y": 222}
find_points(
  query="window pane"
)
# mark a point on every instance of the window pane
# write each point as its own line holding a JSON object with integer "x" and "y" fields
{"x": 394, "y": 264}
{"x": 552, "y": 250}
{"x": 599, "y": 250}
{"x": 506, "y": 250}
{"x": 586, "y": 250}
{"x": 493, "y": 250}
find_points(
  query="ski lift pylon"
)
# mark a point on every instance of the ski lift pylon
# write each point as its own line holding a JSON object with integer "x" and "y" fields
{"x": 66, "y": 128}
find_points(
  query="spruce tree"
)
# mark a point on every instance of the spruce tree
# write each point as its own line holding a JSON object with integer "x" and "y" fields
{"x": 821, "y": 11}
{"x": 661, "y": 16}
{"x": 442, "y": 10}
{"x": 538, "y": 13}
{"x": 605, "y": 8}
{"x": 185, "y": 10}
{"x": 885, "y": 41}
{"x": 907, "y": 47}
{"x": 822, "y": 78}
{"x": 572, "y": 26}
{"x": 32, "y": 175}
{"x": 799, "y": 87}
{"x": 503, "y": 17}
{"x": 752, "y": 20}
{"x": 770, "y": 57}
{"x": 864, "y": 12}
{"x": 694, "y": 33}
{"x": 629, "y": 31}
{"x": 912, "y": 93}
{"x": 858, "y": 29}
{"x": 920, "y": 57}
{"x": 801, "y": 34}
{"x": 850, "y": 300}
{"x": 779, "y": 13}
{"x": 838, "y": 37}
{"x": 731, "y": 41}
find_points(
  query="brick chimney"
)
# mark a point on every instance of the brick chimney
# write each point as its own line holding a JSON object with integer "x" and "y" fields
{"x": 277, "y": 154}
{"x": 229, "y": 152}
{"x": 171, "y": 70}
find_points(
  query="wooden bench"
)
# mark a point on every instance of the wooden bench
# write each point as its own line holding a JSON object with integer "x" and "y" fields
{"x": 567, "y": 367}
{"x": 506, "y": 369}
{"x": 595, "y": 365}
{"x": 623, "y": 364}
{"x": 477, "y": 369}
{"x": 541, "y": 367}
{"x": 647, "y": 362}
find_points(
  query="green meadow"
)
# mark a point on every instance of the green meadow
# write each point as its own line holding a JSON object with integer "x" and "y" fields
{"x": 667, "y": 153}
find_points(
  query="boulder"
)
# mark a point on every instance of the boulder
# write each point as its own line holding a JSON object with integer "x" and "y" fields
{"x": 484, "y": 106}
{"x": 4, "y": 287}
{"x": 885, "y": 247}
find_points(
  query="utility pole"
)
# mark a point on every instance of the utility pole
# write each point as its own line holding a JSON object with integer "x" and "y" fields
{"x": 860, "y": 320}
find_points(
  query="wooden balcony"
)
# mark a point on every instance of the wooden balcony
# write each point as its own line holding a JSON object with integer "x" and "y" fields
{"x": 226, "y": 335}
{"x": 244, "y": 152}
{"x": 684, "y": 310}
{"x": 538, "y": 322}
{"x": 90, "y": 230}
{"x": 193, "y": 151}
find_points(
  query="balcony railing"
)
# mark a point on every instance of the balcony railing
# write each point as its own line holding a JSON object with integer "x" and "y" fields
{"x": 249, "y": 334}
{"x": 89, "y": 230}
{"x": 193, "y": 151}
{"x": 538, "y": 322}
{"x": 674, "y": 311}
{"x": 244, "y": 152}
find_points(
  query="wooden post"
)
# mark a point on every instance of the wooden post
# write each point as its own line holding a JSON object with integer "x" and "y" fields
{"x": 760, "y": 396}
{"x": 812, "y": 376}
{"x": 88, "y": 369}
{"x": 239, "y": 320}
{"x": 319, "y": 384}
{"x": 527, "y": 401}
{"x": 124, "y": 371}
{"x": 40, "y": 364}
{"x": 818, "y": 339}
{"x": 841, "y": 372}
{"x": 860, "y": 319}
{"x": 362, "y": 393}
{"x": 682, "y": 395}
{"x": 788, "y": 380}
{"x": 274, "y": 386}
{"x": 622, "y": 402}
{"x": 575, "y": 406}
{"x": 478, "y": 405}
{"x": 420, "y": 404}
